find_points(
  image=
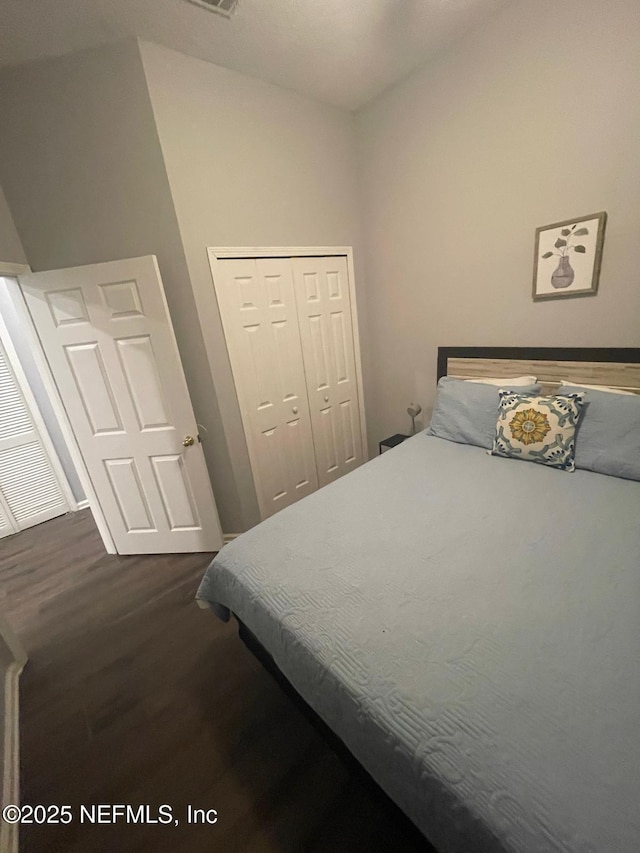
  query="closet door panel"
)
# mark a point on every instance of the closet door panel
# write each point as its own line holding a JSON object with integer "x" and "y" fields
{"x": 258, "y": 310}
{"x": 273, "y": 475}
{"x": 30, "y": 490}
{"x": 324, "y": 312}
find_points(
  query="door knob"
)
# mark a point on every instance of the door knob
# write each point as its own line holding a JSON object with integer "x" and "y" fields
{"x": 295, "y": 410}
{"x": 187, "y": 441}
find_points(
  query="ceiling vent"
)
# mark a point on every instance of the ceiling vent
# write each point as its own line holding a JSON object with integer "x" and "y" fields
{"x": 222, "y": 7}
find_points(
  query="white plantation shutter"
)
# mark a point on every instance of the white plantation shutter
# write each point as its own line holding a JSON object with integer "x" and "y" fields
{"x": 30, "y": 491}
{"x": 14, "y": 417}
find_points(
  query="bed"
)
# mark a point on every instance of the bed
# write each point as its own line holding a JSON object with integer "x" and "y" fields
{"x": 468, "y": 626}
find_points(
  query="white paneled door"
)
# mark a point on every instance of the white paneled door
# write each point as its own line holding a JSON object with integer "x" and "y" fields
{"x": 107, "y": 335}
{"x": 258, "y": 309}
{"x": 326, "y": 333}
{"x": 292, "y": 346}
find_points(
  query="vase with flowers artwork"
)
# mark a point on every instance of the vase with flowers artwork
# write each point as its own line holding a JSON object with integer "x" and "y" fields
{"x": 568, "y": 256}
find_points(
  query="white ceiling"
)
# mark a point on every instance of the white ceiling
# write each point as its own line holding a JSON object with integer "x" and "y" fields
{"x": 344, "y": 52}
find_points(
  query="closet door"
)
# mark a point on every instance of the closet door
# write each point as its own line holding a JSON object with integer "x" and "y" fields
{"x": 258, "y": 310}
{"x": 30, "y": 491}
{"x": 324, "y": 312}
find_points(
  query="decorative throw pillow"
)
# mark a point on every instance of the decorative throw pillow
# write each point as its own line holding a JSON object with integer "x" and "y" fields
{"x": 538, "y": 429}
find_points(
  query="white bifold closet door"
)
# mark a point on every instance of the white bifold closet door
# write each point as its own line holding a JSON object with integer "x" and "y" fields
{"x": 326, "y": 333}
{"x": 30, "y": 489}
{"x": 258, "y": 307}
{"x": 288, "y": 329}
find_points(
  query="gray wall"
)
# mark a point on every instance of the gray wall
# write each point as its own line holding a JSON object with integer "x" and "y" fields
{"x": 529, "y": 120}
{"x": 10, "y": 246}
{"x": 249, "y": 164}
{"x": 84, "y": 175}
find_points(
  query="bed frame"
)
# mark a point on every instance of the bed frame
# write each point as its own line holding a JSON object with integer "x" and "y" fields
{"x": 617, "y": 367}
{"x": 613, "y": 366}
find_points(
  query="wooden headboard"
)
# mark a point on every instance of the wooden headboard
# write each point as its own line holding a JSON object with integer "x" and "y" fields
{"x": 618, "y": 367}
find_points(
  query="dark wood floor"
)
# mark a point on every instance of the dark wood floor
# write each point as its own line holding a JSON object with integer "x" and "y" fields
{"x": 133, "y": 695}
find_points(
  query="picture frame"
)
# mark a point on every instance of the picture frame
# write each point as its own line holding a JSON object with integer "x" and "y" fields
{"x": 567, "y": 257}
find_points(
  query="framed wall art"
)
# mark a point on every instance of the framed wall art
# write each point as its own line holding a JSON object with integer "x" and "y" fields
{"x": 567, "y": 257}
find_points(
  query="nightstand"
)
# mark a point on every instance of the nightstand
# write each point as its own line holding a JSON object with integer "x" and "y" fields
{"x": 392, "y": 441}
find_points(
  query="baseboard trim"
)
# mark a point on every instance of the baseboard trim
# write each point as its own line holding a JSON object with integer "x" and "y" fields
{"x": 82, "y": 504}
{"x": 229, "y": 537}
{"x": 11, "y": 736}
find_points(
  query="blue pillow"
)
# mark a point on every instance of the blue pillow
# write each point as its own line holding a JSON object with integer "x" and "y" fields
{"x": 466, "y": 412}
{"x": 608, "y": 436}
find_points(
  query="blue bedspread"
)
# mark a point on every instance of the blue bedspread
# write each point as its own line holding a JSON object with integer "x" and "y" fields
{"x": 470, "y": 627}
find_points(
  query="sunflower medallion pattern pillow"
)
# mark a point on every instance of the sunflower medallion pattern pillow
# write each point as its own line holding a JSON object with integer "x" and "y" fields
{"x": 538, "y": 429}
